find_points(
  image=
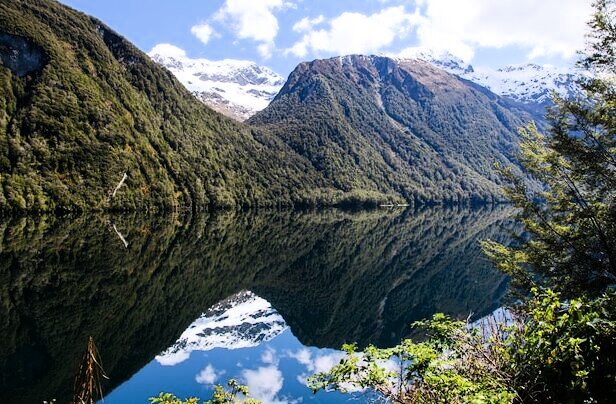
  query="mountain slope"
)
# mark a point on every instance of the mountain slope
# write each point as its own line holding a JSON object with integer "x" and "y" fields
{"x": 236, "y": 88}
{"x": 403, "y": 127}
{"x": 80, "y": 107}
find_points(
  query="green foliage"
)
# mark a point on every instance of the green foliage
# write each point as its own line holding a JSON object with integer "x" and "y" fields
{"x": 555, "y": 352}
{"x": 572, "y": 220}
{"x": 235, "y": 393}
{"x": 564, "y": 351}
{"x": 168, "y": 398}
{"x": 448, "y": 367}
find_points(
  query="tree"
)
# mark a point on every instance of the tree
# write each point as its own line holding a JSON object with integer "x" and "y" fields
{"x": 453, "y": 365}
{"x": 571, "y": 221}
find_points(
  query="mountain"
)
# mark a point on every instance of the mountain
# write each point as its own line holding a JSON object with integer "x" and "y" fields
{"x": 236, "y": 88}
{"x": 239, "y": 321}
{"x": 527, "y": 83}
{"x": 89, "y": 122}
{"x": 396, "y": 126}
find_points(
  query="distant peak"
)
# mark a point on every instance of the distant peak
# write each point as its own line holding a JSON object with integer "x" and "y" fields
{"x": 240, "y": 321}
{"x": 528, "y": 83}
{"x": 237, "y": 88}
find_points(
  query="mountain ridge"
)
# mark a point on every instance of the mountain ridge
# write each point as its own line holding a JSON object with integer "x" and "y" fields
{"x": 218, "y": 83}
{"x": 97, "y": 115}
{"x": 89, "y": 122}
{"x": 396, "y": 126}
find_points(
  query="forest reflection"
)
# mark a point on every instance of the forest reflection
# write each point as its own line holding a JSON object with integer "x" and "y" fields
{"x": 135, "y": 283}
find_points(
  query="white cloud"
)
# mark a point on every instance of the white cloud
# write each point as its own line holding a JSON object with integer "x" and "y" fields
{"x": 264, "y": 383}
{"x": 203, "y": 32}
{"x": 303, "y": 356}
{"x": 253, "y": 19}
{"x": 547, "y": 27}
{"x": 322, "y": 362}
{"x": 265, "y": 49}
{"x": 541, "y": 28}
{"x": 306, "y": 24}
{"x": 268, "y": 356}
{"x": 353, "y": 32}
{"x": 166, "y": 49}
{"x": 319, "y": 363}
{"x": 208, "y": 375}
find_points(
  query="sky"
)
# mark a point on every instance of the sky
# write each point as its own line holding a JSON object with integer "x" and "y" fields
{"x": 282, "y": 33}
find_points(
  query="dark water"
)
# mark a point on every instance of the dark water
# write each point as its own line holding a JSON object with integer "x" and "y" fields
{"x": 316, "y": 281}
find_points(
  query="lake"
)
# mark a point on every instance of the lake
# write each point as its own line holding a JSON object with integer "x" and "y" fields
{"x": 177, "y": 303}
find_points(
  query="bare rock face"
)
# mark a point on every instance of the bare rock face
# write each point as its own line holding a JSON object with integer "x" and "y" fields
{"x": 20, "y": 55}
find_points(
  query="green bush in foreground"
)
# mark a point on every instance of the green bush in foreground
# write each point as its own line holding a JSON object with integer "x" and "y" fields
{"x": 565, "y": 351}
{"x": 562, "y": 352}
{"x": 449, "y": 366}
{"x": 234, "y": 393}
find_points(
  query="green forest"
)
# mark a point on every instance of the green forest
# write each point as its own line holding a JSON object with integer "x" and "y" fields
{"x": 94, "y": 108}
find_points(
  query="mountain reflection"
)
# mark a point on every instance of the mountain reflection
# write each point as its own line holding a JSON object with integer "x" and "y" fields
{"x": 333, "y": 276}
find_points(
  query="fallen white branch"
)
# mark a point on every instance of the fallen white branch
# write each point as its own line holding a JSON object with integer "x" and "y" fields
{"x": 120, "y": 235}
{"x": 124, "y": 177}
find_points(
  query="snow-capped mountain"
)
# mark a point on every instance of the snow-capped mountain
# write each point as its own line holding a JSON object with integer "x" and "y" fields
{"x": 528, "y": 83}
{"x": 240, "y": 321}
{"x": 237, "y": 88}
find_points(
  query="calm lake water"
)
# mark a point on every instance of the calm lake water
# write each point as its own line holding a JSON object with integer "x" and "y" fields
{"x": 179, "y": 303}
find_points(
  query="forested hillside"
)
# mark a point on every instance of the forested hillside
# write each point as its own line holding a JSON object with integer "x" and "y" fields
{"x": 403, "y": 127}
{"x": 80, "y": 106}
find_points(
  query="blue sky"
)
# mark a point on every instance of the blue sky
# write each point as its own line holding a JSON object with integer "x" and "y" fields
{"x": 281, "y": 33}
{"x": 274, "y": 372}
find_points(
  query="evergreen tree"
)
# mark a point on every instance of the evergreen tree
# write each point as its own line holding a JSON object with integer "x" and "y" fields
{"x": 572, "y": 221}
